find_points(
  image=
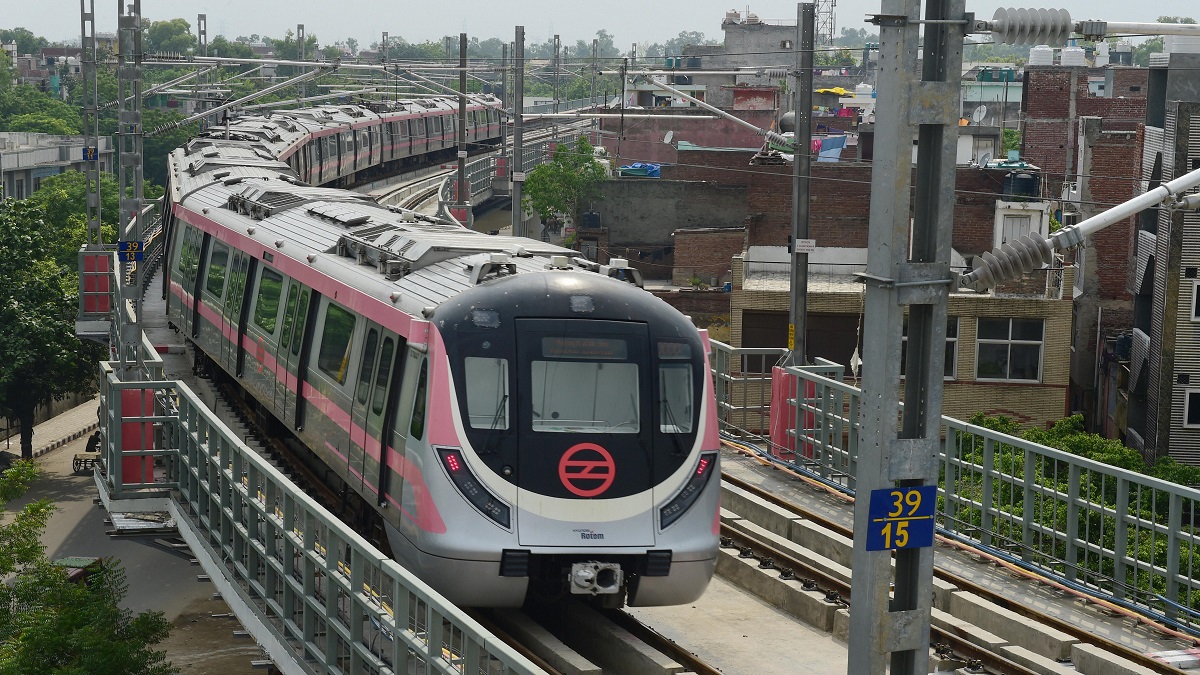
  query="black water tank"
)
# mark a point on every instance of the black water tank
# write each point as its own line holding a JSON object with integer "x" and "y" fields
{"x": 1021, "y": 184}
{"x": 591, "y": 219}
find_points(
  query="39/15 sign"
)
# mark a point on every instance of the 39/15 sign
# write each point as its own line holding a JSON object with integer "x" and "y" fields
{"x": 901, "y": 518}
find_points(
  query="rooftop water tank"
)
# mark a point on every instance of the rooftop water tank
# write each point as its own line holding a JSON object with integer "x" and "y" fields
{"x": 1072, "y": 56}
{"x": 863, "y": 89}
{"x": 1021, "y": 184}
{"x": 1101, "y": 54}
{"x": 1041, "y": 55}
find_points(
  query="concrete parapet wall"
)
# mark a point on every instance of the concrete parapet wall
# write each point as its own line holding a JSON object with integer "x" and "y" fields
{"x": 1042, "y": 640}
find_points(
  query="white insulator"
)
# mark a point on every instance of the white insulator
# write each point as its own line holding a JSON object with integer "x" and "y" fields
{"x": 1007, "y": 262}
{"x": 1032, "y": 26}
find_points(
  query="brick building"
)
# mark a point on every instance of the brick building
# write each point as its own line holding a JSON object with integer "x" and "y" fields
{"x": 1088, "y": 145}
{"x": 1055, "y": 98}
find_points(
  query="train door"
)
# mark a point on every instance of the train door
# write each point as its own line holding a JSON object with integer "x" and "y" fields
{"x": 370, "y": 407}
{"x": 232, "y": 312}
{"x": 584, "y": 431}
{"x": 291, "y": 352}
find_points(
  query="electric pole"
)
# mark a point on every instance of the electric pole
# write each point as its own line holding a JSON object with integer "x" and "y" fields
{"x": 518, "y": 163}
{"x": 801, "y": 171}
{"x": 464, "y": 188}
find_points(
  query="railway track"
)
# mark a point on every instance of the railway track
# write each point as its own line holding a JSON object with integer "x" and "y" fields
{"x": 947, "y": 644}
{"x": 414, "y": 193}
{"x": 573, "y": 638}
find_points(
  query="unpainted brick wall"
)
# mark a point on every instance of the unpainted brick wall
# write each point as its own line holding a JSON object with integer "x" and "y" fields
{"x": 840, "y": 200}
{"x": 706, "y": 254}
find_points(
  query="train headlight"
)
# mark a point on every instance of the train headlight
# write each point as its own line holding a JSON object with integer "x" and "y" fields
{"x": 472, "y": 489}
{"x": 690, "y": 492}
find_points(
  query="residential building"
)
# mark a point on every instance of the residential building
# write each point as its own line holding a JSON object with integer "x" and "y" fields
{"x": 1158, "y": 411}
{"x": 1007, "y": 352}
{"x": 1087, "y": 142}
{"x": 27, "y": 158}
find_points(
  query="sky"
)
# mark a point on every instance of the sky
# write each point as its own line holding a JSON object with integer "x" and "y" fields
{"x": 628, "y": 21}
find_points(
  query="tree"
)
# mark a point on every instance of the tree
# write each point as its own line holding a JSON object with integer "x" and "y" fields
{"x": 855, "y": 37}
{"x": 27, "y": 42}
{"x": 352, "y": 45}
{"x": 560, "y": 186}
{"x": 40, "y": 123}
{"x": 1012, "y": 140}
{"x": 220, "y": 46}
{"x": 51, "y": 625}
{"x": 169, "y": 36}
{"x": 24, "y": 100}
{"x": 40, "y": 357}
{"x": 1154, "y": 45}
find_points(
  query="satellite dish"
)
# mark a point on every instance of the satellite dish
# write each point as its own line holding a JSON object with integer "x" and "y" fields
{"x": 979, "y": 114}
{"x": 983, "y": 161}
{"x": 668, "y": 137}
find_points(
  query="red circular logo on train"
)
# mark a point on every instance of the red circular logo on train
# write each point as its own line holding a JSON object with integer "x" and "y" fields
{"x": 587, "y": 470}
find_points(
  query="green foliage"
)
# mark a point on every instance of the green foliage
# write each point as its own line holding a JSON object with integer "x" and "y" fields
{"x": 27, "y": 42}
{"x": 1012, "y": 140}
{"x": 20, "y": 543}
{"x": 219, "y": 46}
{"x": 855, "y": 37}
{"x": 63, "y": 200}
{"x": 53, "y": 626}
{"x": 25, "y": 106}
{"x": 561, "y": 185}
{"x": 1045, "y": 508}
{"x": 174, "y": 35}
{"x": 40, "y": 357}
{"x": 156, "y": 148}
{"x": 40, "y": 123}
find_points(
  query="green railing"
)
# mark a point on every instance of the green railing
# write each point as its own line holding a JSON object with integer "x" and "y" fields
{"x": 321, "y": 598}
{"x": 1115, "y": 533}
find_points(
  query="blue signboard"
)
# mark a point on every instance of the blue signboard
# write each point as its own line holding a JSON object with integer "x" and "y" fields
{"x": 130, "y": 251}
{"x": 901, "y": 517}
{"x": 89, "y": 154}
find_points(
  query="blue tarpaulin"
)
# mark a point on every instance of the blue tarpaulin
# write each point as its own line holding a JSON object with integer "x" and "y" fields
{"x": 641, "y": 169}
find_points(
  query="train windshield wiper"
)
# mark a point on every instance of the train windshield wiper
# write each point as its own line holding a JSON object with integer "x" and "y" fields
{"x": 670, "y": 419}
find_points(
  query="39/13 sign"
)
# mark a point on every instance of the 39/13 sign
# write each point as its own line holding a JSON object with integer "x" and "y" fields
{"x": 901, "y": 518}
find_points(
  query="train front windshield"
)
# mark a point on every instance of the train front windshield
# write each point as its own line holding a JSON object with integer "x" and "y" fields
{"x": 561, "y": 385}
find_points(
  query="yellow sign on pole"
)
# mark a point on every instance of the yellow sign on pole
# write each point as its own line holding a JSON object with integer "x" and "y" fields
{"x": 792, "y": 336}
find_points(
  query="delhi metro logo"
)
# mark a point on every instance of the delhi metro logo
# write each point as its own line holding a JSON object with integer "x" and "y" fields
{"x": 587, "y": 470}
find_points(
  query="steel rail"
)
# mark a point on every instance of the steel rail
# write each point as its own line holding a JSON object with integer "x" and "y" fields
{"x": 970, "y": 586}
{"x": 660, "y": 642}
{"x": 838, "y": 592}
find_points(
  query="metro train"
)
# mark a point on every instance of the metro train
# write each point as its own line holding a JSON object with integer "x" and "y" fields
{"x": 522, "y": 424}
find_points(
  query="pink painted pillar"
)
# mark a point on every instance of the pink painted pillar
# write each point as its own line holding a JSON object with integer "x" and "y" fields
{"x": 137, "y": 436}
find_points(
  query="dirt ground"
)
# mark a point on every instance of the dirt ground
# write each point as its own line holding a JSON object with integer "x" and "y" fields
{"x": 202, "y": 641}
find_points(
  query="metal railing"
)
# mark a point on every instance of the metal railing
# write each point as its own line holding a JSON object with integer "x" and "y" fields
{"x": 563, "y": 106}
{"x": 317, "y": 596}
{"x": 1118, "y": 534}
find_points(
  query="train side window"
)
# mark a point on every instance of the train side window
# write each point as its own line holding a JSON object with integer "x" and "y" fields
{"x": 266, "y": 308}
{"x": 381, "y": 376}
{"x": 487, "y": 395}
{"x": 368, "y": 363}
{"x": 335, "y": 342}
{"x": 289, "y": 316}
{"x": 217, "y": 263}
{"x": 301, "y": 318}
{"x": 416, "y": 430}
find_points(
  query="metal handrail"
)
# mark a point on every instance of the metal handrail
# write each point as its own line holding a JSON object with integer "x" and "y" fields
{"x": 323, "y": 598}
{"x": 1121, "y": 535}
